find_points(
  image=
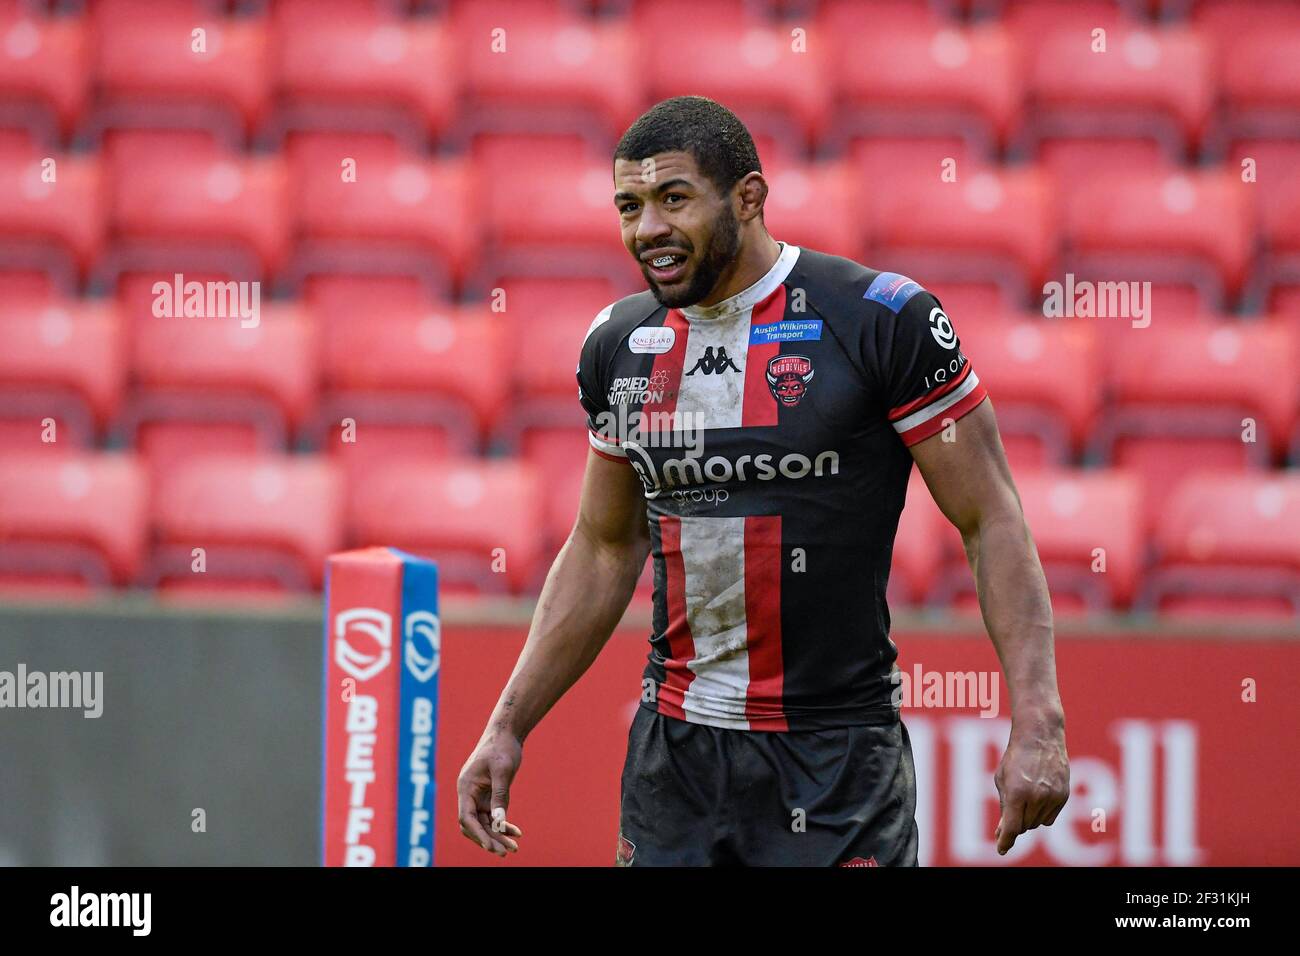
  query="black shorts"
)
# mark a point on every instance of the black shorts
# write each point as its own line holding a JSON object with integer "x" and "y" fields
{"x": 695, "y": 795}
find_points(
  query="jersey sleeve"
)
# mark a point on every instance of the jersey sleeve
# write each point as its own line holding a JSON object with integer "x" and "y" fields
{"x": 925, "y": 377}
{"x": 593, "y": 392}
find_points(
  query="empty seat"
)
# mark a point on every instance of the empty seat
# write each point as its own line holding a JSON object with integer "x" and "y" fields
{"x": 44, "y": 71}
{"x": 812, "y": 205}
{"x": 352, "y": 66}
{"x": 399, "y": 214}
{"x": 480, "y": 520}
{"x": 560, "y": 455}
{"x": 924, "y": 79}
{"x": 240, "y": 385}
{"x": 989, "y": 224}
{"x": 757, "y": 68}
{"x": 1230, "y": 536}
{"x": 533, "y": 66}
{"x": 1148, "y": 81}
{"x": 1196, "y": 227}
{"x": 53, "y": 212}
{"x": 216, "y": 210}
{"x": 61, "y": 361}
{"x": 926, "y": 541}
{"x": 440, "y": 369}
{"x": 268, "y": 518}
{"x": 80, "y": 517}
{"x": 1044, "y": 379}
{"x": 159, "y": 60}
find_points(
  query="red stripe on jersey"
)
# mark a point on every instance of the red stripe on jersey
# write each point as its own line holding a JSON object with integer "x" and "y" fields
{"x": 933, "y": 426}
{"x": 763, "y": 699}
{"x": 759, "y": 405}
{"x": 902, "y": 411}
{"x": 668, "y": 365}
{"x": 681, "y": 645}
{"x": 621, "y": 459}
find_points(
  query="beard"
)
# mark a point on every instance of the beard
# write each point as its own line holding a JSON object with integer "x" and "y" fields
{"x": 721, "y": 251}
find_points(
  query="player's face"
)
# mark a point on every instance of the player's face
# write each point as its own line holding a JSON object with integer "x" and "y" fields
{"x": 676, "y": 224}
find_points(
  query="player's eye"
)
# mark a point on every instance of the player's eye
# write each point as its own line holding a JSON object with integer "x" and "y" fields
{"x": 671, "y": 196}
{"x": 627, "y": 208}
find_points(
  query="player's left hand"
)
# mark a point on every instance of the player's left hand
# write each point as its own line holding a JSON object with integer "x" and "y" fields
{"x": 1033, "y": 782}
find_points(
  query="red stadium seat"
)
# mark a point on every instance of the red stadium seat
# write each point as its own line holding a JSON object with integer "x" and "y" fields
{"x": 206, "y": 381}
{"x": 153, "y": 68}
{"x": 758, "y": 69}
{"x": 812, "y": 205}
{"x": 52, "y": 212}
{"x": 481, "y": 521}
{"x": 401, "y": 214}
{"x": 1071, "y": 514}
{"x": 1182, "y": 393}
{"x": 215, "y": 210}
{"x": 44, "y": 71}
{"x": 443, "y": 370}
{"x": 557, "y": 221}
{"x": 353, "y": 66}
{"x": 989, "y": 225}
{"x": 1233, "y": 536}
{"x": 925, "y": 542}
{"x": 1146, "y": 82}
{"x": 74, "y": 518}
{"x": 63, "y": 361}
{"x": 257, "y": 517}
{"x": 911, "y": 77}
{"x": 1165, "y": 225}
{"x": 1044, "y": 379}
{"x": 532, "y": 67}
{"x": 560, "y": 454}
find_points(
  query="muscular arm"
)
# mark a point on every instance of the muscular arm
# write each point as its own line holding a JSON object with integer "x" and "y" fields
{"x": 971, "y": 484}
{"x": 584, "y": 597}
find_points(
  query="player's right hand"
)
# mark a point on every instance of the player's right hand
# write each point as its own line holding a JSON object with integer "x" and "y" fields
{"x": 483, "y": 794}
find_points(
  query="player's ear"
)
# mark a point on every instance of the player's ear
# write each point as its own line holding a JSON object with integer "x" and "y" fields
{"x": 751, "y": 191}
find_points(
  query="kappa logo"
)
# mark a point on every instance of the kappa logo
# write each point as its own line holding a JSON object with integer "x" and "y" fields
{"x": 422, "y": 662}
{"x": 714, "y": 363}
{"x": 788, "y": 377}
{"x": 858, "y": 861}
{"x": 373, "y": 627}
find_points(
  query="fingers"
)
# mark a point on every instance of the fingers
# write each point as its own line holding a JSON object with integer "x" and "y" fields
{"x": 472, "y": 813}
{"x": 1011, "y": 825}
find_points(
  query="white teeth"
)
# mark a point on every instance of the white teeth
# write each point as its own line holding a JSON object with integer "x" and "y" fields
{"x": 663, "y": 262}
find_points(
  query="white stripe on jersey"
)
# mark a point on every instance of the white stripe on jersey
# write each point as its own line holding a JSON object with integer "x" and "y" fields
{"x": 713, "y": 555}
{"x": 921, "y": 416}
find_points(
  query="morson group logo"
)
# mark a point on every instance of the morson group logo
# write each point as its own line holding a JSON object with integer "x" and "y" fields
{"x": 788, "y": 377}
{"x": 423, "y": 644}
{"x": 362, "y": 638}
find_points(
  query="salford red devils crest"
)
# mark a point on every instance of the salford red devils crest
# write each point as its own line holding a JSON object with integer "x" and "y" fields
{"x": 788, "y": 377}
{"x": 858, "y": 861}
{"x": 626, "y": 850}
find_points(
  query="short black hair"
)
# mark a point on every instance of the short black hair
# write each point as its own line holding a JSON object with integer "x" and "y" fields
{"x": 704, "y": 128}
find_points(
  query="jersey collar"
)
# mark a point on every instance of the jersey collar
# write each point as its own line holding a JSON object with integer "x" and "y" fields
{"x": 756, "y": 293}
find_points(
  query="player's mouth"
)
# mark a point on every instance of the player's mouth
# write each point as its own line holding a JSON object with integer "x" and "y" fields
{"x": 665, "y": 265}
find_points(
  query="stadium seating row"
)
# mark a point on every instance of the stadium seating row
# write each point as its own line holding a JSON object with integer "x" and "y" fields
{"x": 491, "y": 61}
{"x": 268, "y": 521}
{"x": 535, "y": 207}
{"x": 464, "y": 379}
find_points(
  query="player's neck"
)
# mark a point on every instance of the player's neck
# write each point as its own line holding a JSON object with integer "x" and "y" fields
{"x": 753, "y": 261}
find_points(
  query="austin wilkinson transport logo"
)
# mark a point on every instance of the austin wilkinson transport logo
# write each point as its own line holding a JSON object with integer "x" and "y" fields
{"x": 788, "y": 377}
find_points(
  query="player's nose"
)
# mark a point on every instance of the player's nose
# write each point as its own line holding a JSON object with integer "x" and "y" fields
{"x": 651, "y": 228}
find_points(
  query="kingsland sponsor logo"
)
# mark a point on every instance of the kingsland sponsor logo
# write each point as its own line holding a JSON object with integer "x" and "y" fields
{"x": 697, "y": 470}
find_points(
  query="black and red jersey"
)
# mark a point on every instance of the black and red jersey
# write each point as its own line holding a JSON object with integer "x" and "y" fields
{"x": 770, "y": 433}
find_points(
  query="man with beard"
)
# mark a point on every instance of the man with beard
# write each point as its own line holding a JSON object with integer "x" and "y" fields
{"x": 792, "y": 391}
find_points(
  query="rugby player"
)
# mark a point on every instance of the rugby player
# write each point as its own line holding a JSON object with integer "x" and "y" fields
{"x": 784, "y": 395}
